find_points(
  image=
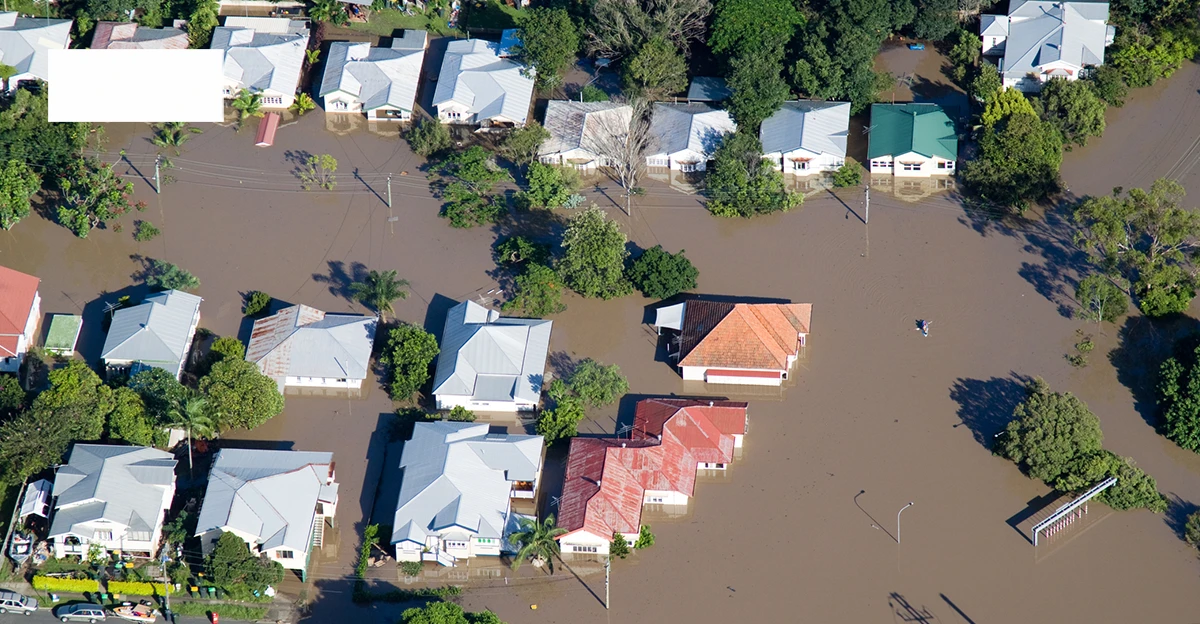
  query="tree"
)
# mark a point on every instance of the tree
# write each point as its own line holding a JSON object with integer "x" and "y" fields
{"x": 1049, "y": 431}
{"x": 596, "y": 384}
{"x": 1134, "y": 488}
{"x": 619, "y": 546}
{"x": 327, "y": 11}
{"x": 256, "y": 303}
{"x": 318, "y": 171}
{"x": 240, "y": 395}
{"x": 1073, "y": 107}
{"x": 1147, "y": 239}
{"x": 537, "y": 542}
{"x": 13, "y": 397}
{"x": 247, "y": 104}
{"x": 78, "y": 394}
{"x": 1100, "y": 300}
{"x": 472, "y": 175}
{"x": 166, "y": 276}
{"x": 1144, "y": 58}
{"x": 849, "y": 174}
{"x": 160, "y": 392}
{"x": 461, "y": 414}
{"x": 128, "y": 420}
{"x": 197, "y": 418}
{"x": 1191, "y": 529}
{"x": 592, "y": 93}
{"x": 964, "y": 53}
{"x": 522, "y": 144}
{"x": 18, "y": 185}
{"x": 623, "y": 142}
{"x": 518, "y": 249}
{"x": 435, "y": 613}
{"x": 986, "y": 84}
{"x": 92, "y": 194}
{"x": 619, "y": 27}
{"x": 378, "y": 290}
{"x": 1018, "y": 162}
{"x": 756, "y": 83}
{"x": 660, "y": 275}
{"x": 232, "y": 564}
{"x": 26, "y": 135}
{"x": 202, "y": 23}
{"x": 173, "y": 135}
{"x": 144, "y": 231}
{"x": 550, "y": 186}
{"x": 1178, "y": 398}
{"x": 7, "y": 72}
{"x": 548, "y": 43}
{"x": 223, "y": 348}
{"x": 740, "y": 25}
{"x": 593, "y": 262}
{"x": 538, "y": 293}
{"x": 1004, "y": 105}
{"x": 1109, "y": 84}
{"x": 645, "y": 538}
{"x": 409, "y": 352}
{"x": 656, "y": 70}
{"x": 742, "y": 184}
{"x": 562, "y": 422}
{"x": 936, "y": 19}
{"x": 428, "y": 137}
{"x": 303, "y": 102}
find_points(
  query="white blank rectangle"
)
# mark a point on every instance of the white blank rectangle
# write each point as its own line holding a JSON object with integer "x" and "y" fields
{"x": 149, "y": 86}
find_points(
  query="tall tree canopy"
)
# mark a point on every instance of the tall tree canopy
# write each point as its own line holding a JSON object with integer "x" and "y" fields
{"x": 409, "y": 352}
{"x": 593, "y": 262}
{"x": 242, "y": 396}
{"x": 1018, "y": 162}
{"x": 742, "y": 184}
{"x": 1050, "y": 430}
{"x": 549, "y": 42}
{"x": 1074, "y": 108}
{"x": 618, "y": 28}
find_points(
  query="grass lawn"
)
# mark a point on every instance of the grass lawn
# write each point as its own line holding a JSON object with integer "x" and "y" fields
{"x": 490, "y": 15}
{"x": 385, "y": 22}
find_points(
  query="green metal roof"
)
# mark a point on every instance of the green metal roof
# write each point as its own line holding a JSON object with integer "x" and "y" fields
{"x": 64, "y": 331}
{"x": 902, "y": 128}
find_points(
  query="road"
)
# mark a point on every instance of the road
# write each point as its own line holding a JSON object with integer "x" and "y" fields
{"x": 46, "y": 615}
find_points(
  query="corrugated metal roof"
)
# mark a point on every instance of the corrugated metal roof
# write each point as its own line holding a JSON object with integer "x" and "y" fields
{"x": 994, "y": 25}
{"x": 375, "y": 76}
{"x": 301, "y": 341}
{"x": 475, "y": 348}
{"x": 269, "y": 494}
{"x": 696, "y": 127}
{"x": 263, "y": 53}
{"x": 1046, "y": 32}
{"x": 692, "y": 424}
{"x": 902, "y": 128}
{"x": 476, "y": 77}
{"x": 156, "y": 333}
{"x": 129, "y": 36}
{"x": 578, "y": 125}
{"x": 458, "y": 475}
{"x": 25, "y": 42}
{"x": 708, "y": 89}
{"x": 17, "y": 293}
{"x": 126, "y": 485}
{"x": 817, "y": 127}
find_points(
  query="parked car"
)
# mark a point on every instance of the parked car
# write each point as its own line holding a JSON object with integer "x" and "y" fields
{"x": 82, "y": 612}
{"x": 12, "y": 602}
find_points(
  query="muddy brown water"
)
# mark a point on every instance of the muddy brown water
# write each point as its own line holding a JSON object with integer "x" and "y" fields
{"x": 876, "y": 408}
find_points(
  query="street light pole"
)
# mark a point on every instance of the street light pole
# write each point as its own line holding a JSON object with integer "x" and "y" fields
{"x": 898, "y": 520}
{"x": 867, "y": 218}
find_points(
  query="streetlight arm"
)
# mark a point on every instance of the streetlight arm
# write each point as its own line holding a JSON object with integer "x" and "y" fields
{"x": 898, "y": 520}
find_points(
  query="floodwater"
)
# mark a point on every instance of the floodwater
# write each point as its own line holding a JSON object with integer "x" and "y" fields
{"x": 802, "y": 527}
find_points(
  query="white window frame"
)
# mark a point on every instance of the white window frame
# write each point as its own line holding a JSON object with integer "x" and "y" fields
{"x": 285, "y": 554}
{"x": 585, "y": 549}
{"x": 911, "y": 166}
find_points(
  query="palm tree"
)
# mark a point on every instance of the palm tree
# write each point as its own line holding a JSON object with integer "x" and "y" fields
{"x": 173, "y": 134}
{"x": 537, "y": 542}
{"x": 194, "y": 414}
{"x": 379, "y": 290}
{"x": 247, "y": 104}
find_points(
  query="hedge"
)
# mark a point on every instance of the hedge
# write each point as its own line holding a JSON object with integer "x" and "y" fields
{"x": 53, "y": 584}
{"x": 136, "y": 589}
{"x": 224, "y": 609}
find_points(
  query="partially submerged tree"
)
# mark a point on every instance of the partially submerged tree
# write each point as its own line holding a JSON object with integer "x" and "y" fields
{"x": 247, "y": 104}
{"x": 623, "y": 142}
{"x": 1049, "y": 431}
{"x": 550, "y": 186}
{"x": 1100, "y": 300}
{"x": 231, "y": 564}
{"x": 656, "y": 71}
{"x": 1074, "y": 108}
{"x": 318, "y": 171}
{"x": 537, "y": 542}
{"x": 18, "y": 184}
{"x": 518, "y": 250}
{"x": 619, "y": 27}
{"x": 409, "y": 352}
{"x": 196, "y": 417}
{"x": 173, "y": 135}
{"x": 428, "y": 137}
{"x": 522, "y": 144}
{"x": 548, "y": 43}
{"x": 378, "y": 290}
{"x": 538, "y": 292}
{"x": 240, "y": 395}
{"x": 742, "y": 184}
{"x": 593, "y": 261}
{"x": 1019, "y": 159}
{"x": 163, "y": 275}
{"x": 91, "y": 195}
{"x": 660, "y": 274}
{"x": 597, "y": 384}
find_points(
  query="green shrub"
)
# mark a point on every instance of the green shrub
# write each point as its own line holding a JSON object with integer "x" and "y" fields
{"x": 849, "y": 174}
{"x": 256, "y": 303}
{"x": 1191, "y": 529}
{"x": 645, "y": 538}
{"x": 363, "y": 595}
{"x": 145, "y": 231}
{"x": 410, "y": 568}
{"x": 660, "y": 274}
{"x": 619, "y": 546}
{"x": 137, "y": 589}
{"x": 76, "y": 586}
{"x": 227, "y": 610}
{"x": 592, "y": 93}
{"x": 461, "y": 414}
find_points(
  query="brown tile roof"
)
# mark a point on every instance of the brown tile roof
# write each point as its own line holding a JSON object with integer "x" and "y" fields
{"x": 17, "y": 292}
{"x": 742, "y": 335}
{"x": 127, "y": 36}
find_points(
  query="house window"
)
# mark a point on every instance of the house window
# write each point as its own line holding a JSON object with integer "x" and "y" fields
{"x": 946, "y": 164}
{"x": 341, "y": 381}
{"x": 341, "y": 106}
{"x": 657, "y": 162}
{"x": 285, "y": 554}
{"x": 657, "y": 499}
{"x": 228, "y": 92}
{"x": 881, "y": 164}
{"x": 911, "y": 166}
{"x": 584, "y": 549}
{"x": 841, "y": 162}
{"x": 103, "y": 536}
{"x": 456, "y": 544}
{"x": 273, "y": 99}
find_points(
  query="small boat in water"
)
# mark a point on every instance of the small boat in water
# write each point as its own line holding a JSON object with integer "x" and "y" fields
{"x": 144, "y": 612}
{"x": 21, "y": 547}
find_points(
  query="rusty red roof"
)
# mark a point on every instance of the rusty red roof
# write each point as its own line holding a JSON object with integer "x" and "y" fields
{"x": 705, "y": 428}
{"x": 17, "y": 293}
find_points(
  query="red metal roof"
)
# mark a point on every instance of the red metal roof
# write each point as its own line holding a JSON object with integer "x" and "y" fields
{"x": 266, "y": 130}
{"x": 17, "y": 292}
{"x": 705, "y": 428}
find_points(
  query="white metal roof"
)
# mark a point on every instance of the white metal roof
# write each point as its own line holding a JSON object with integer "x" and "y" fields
{"x": 670, "y": 317}
{"x": 578, "y": 125}
{"x": 272, "y": 495}
{"x": 475, "y": 76}
{"x": 300, "y": 341}
{"x": 263, "y": 52}
{"x": 128, "y": 486}
{"x": 155, "y": 333}
{"x": 458, "y": 475}
{"x": 37, "y": 499}
{"x": 817, "y": 127}
{"x": 491, "y": 358}
{"x": 25, "y": 42}
{"x": 1042, "y": 32}
{"x": 696, "y": 127}
{"x": 375, "y": 76}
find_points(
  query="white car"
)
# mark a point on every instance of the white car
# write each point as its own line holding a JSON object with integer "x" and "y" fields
{"x": 82, "y": 612}
{"x": 12, "y": 602}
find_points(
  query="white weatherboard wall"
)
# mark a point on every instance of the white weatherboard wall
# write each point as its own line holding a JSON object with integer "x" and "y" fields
{"x": 136, "y": 86}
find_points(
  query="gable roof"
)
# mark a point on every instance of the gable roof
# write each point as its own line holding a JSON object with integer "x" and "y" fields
{"x": 25, "y": 42}
{"x": 1046, "y": 32}
{"x": 490, "y": 358}
{"x": 742, "y": 335}
{"x": 458, "y": 475}
{"x": 817, "y": 127}
{"x": 156, "y": 333}
{"x": 704, "y": 428}
{"x": 300, "y": 341}
{"x": 376, "y": 76}
{"x": 474, "y": 75}
{"x": 696, "y": 127}
{"x": 17, "y": 293}
{"x": 129, "y": 36}
{"x": 576, "y": 125}
{"x": 262, "y": 52}
{"x": 993, "y": 25}
{"x": 902, "y": 128}
{"x": 125, "y": 485}
{"x": 271, "y": 495}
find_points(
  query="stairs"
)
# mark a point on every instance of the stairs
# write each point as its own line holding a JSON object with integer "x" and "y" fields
{"x": 318, "y": 537}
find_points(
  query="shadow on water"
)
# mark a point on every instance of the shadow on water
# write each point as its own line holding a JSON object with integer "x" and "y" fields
{"x": 874, "y": 523}
{"x": 1177, "y": 514}
{"x": 985, "y": 406}
{"x": 907, "y": 612}
{"x": 435, "y": 314}
{"x": 340, "y": 278}
{"x": 96, "y": 320}
{"x": 956, "y": 609}
{"x": 1035, "y": 504}
{"x": 1142, "y": 346}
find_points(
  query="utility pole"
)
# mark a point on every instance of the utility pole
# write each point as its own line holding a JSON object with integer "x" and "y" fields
{"x": 898, "y": 521}
{"x": 867, "y": 218}
{"x": 157, "y": 187}
{"x": 607, "y": 569}
{"x": 166, "y": 587}
{"x": 389, "y": 190}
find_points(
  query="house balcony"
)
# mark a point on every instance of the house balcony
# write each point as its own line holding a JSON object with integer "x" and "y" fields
{"x": 522, "y": 490}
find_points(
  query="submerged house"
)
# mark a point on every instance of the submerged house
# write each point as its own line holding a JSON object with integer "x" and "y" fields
{"x": 457, "y": 488}
{"x": 20, "y": 311}
{"x": 158, "y": 333}
{"x": 262, "y": 55}
{"x": 380, "y": 82}
{"x": 479, "y": 86}
{"x": 685, "y": 136}
{"x": 580, "y": 132}
{"x": 301, "y": 346}
{"x": 911, "y": 141}
{"x": 803, "y": 138}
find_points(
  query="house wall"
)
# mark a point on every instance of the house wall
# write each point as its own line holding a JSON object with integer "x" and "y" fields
{"x": 120, "y": 540}
{"x": 700, "y": 373}
{"x": 593, "y": 161}
{"x": 818, "y": 163}
{"x": 322, "y": 382}
{"x": 586, "y": 542}
{"x": 382, "y": 114}
{"x": 455, "y": 113}
{"x": 448, "y": 401}
{"x": 13, "y": 363}
{"x": 664, "y": 497}
{"x": 339, "y": 102}
{"x": 272, "y": 100}
{"x": 15, "y": 82}
{"x": 472, "y": 546}
{"x": 993, "y": 44}
{"x": 926, "y": 168}
{"x": 685, "y": 160}
{"x": 289, "y": 558}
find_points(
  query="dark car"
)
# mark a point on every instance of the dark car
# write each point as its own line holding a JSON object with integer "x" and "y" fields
{"x": 12, "y": 602}
{"x": 82, "y": 612}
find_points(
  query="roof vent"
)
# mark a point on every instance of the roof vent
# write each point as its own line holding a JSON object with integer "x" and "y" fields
{"x": 623, "y": 445}
{"x": 710, "y": 403}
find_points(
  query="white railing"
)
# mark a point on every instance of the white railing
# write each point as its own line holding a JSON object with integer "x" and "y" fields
{"x": 1066, "y": 509}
